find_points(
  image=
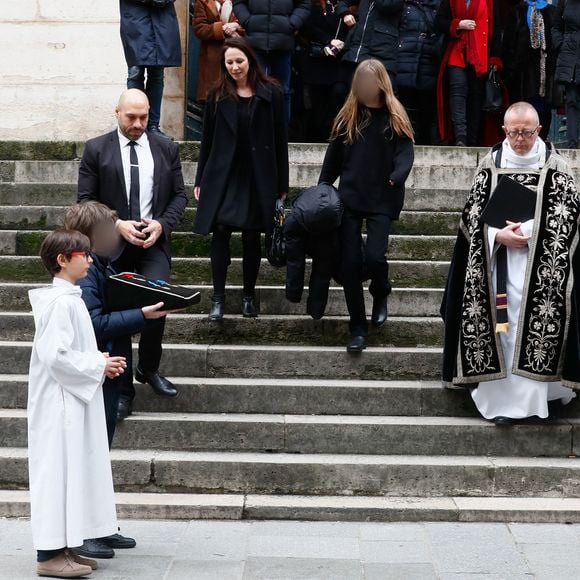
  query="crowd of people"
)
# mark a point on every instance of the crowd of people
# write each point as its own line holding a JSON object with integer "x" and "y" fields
{"x": 510, "y": 308}
{"x": 438, "y": 54}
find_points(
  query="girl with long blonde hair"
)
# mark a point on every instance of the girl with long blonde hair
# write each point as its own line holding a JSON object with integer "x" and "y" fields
{"x": 371, "y": 151}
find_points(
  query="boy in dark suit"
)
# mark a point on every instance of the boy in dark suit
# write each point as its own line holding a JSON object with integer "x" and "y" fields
{"x": 113, "y": 330}
{"x": 138, "y": 174}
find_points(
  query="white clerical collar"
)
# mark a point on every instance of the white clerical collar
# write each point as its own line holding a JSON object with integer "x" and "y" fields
{"x": 533, "y": 159}
{"x": 124, "y": 141}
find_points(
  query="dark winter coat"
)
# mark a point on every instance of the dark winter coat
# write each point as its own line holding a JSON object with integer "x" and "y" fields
{"x": 368, "y": 165}
{"x": 109, "y": 327}
{"x": 272, "y": 24}
{"x": 312, "y": 230}
{"x": 150, "y": 35}
{"x": 521, "y": 69}
{"x": 320, "y": 28}
{"x": 420, "y": 46}
{"x": 376, "y": 33}
{"x": 566, "y": 41}
{"x": 269, "y": 152}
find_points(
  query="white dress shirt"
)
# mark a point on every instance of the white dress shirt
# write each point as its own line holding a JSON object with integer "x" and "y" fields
{"x": 146, "y": 165}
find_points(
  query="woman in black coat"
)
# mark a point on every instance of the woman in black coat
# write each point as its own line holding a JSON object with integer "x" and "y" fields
{"x": 566, "y": 43}
{"x": 528, "y": 58}
{"x": 318, "y": 60}
{"x": 419, "y": 57}
{"x": 371, "y": 150}
{"x": 242, "y": 169}
{"x": 150, "y": 37}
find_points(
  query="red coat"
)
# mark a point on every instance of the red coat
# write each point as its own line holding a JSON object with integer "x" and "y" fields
{"x": 466, "y": 47}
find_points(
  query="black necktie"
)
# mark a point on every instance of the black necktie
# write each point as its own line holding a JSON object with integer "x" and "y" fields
{"x": 134, "y": 201}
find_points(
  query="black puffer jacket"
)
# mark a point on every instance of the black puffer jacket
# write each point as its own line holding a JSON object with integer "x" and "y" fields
{"x": 312, "y": 229}
{"x": 566, "y": 41}
{"x": 271, "y": 24}
{"x": 420, "y": 46}
{"x": 376, "y": 34}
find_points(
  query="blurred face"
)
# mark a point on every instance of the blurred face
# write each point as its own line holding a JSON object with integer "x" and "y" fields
{"x": 75, "y": 267}
{"x": 237, "y": 64}
{"x": 133, "y": 116}
{"x": 522, "y": 132}
{"x": 367, "y": 88}
{"x": 105, "y": 239}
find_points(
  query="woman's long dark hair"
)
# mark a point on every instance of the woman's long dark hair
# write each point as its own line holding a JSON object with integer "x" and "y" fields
{"x": 256, "y": 76}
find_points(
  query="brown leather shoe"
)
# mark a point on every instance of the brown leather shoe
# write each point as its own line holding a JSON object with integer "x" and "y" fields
{"x": 62, "y": 566}
{"x": 92, "y": 564}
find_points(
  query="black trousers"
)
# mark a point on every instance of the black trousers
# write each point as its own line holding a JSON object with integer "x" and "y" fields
{"x": 466, "y": 92}
{"x": 152, "y": 263}
{"x": 422, "y": 110}
{"x": 221, "y": 258}
{"x": 122, "y": 386}
{"x": 374, "y": 262}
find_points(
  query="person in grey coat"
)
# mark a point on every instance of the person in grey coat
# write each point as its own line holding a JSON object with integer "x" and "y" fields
{"x": 151, "y": 41}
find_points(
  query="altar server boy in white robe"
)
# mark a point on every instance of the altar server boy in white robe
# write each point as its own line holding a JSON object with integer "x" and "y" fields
{"x": 71, "y": 485}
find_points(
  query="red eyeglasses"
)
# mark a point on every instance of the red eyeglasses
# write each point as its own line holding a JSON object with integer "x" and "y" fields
{"x": 86, "y": 255}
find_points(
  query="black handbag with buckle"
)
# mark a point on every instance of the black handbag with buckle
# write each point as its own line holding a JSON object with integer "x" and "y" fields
{"x": 493, "y": 100}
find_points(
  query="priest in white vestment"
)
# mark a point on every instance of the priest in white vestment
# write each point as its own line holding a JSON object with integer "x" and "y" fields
{"x": 518, "y": 392}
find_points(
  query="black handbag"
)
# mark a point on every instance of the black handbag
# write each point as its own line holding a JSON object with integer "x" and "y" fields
{"x": 493, "y": 100}
{"x": 275, "y": 242}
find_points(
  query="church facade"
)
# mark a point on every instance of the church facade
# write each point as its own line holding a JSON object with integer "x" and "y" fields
{"x": 63, "y": 69}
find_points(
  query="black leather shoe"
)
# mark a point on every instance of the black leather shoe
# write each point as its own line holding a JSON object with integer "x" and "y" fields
{"x": 379, "y": 316}
{"x": 356, "y": 344}
{"x": 95, "y": 549}
{"x": 218, "y": 305}
{"x": 157, "y": 131}
{"x": 118, "y": 542}
{"x": 124, "y": 409}
{"x": 249, "y": 309}
{"x": 504, "y": 421}
{"x": 158, "y": 383}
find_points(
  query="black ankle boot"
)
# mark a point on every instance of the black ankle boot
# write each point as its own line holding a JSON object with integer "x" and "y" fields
{"x": 249, "y": 307}
{"x": 218, "y": 305}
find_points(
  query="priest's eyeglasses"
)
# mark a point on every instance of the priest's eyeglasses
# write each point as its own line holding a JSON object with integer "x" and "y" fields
{"x": 526, "y": 134}
{"x": 86, "y": 255}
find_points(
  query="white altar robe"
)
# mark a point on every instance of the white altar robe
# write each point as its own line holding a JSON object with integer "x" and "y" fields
{"x": 515, "y": 396}
{"x": 71, "y": 485}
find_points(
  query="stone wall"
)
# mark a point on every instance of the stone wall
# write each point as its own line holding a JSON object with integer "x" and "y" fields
{"x": 62, "y": 70}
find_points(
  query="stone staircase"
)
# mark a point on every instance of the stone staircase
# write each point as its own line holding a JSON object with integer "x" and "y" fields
{"x": 274, "y": 419}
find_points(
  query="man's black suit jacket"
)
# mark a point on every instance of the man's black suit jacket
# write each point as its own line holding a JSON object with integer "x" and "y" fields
{"x": 101, "y": 178}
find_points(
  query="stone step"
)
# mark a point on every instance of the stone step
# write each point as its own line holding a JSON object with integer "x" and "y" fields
{"x": 322, "y": 474}
{"x": 292, "y": 396}
{"x": 418, "y": 223}
{"x": 266, "y": 329}
{"x": 270, "y": 299}
{"x": 185, "y": 506}
{"x": 300, "y": 174}
{"x": 189, "y": 151}
{"x": 197, "y": 271}
{"x": 186, "y": 244}
{"x": 260, "y": 361}
{"x": 330, "y": 434}
{"x": 289, "y": 396}
{"x": 303, "y": 172}
{"x": 55, "y": 194}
